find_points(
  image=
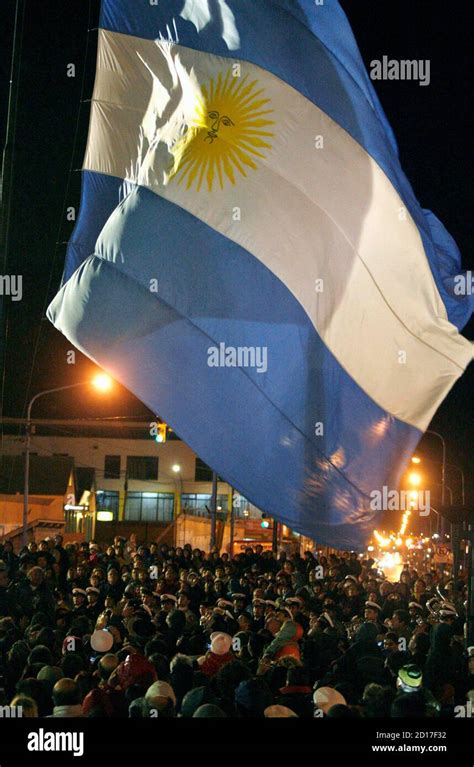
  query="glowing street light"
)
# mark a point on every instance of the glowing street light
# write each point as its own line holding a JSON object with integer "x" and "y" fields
{"x": 176, "y": 468}
{"x": 101, "y": 382}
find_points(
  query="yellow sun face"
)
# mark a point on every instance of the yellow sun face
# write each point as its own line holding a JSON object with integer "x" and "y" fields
{"x": 228, "y": 135}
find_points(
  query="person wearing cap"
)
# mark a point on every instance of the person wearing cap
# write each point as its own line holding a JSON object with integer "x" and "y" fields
{"x": 79, "y": 600}
{"x": 296, "y": 606}
{"x": 294, "y": 603}
{"x": 410, "y": 678}
{"x": 239, "y": 600}
{"x": 161, "y": 700}
{"x": 448, "y": 613}
{"x": 218, "y": 655}
{"x": 416, "y": 611}
{"x": 270, "y": 608}
{"x": 324, "y": 698}
{"x": 168, "y": 603}
{"x": 279, "y": 712}
{"x": 372, "y": 612}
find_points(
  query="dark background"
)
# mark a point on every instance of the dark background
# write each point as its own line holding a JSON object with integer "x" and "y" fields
{"x": 432, "y": 126}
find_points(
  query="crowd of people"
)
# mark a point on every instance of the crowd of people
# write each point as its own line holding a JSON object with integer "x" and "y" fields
{"x": 129, "y": 630}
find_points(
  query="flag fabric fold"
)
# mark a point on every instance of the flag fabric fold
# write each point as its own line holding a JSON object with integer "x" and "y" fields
{"x": 251, "y": 261}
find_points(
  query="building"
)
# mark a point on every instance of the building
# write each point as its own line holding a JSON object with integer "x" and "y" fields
{"x": 125, "y": 482}
{"x": 54, "y": 486}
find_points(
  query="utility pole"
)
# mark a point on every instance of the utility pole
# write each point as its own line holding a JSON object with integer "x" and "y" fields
{"x": 213, "y": 510}
{"x": 275, "y": 537}
{"x": 232, "y": 523}
{"x": 470, "y": 580}
{"x": 6, "y": 182}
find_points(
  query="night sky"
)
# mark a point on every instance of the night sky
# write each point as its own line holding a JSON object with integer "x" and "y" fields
{"x": 432, "y": 126}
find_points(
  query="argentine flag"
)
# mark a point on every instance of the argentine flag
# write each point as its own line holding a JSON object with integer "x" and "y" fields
{"x": 250, "y": 259}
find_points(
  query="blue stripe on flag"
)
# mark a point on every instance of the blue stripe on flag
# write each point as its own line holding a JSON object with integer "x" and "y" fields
{"x": 267, "y": 419}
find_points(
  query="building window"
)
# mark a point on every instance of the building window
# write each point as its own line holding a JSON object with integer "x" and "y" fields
{"x": 112, "y": 467}
{"x": 149, "y": 507}
{"x": 73, "y": 521}
{"x": 203, "y": 472}
{"x": 196, "y": 503}
{"x": 244, "y": 509}
{"x": 108, "y": 500}
{"x": 142, "y": 467}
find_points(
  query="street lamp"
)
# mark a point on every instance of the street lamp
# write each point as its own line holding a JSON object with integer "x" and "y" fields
{"x": 102, "y": 382}
{"x": 446, "y": 487}
{"x": 416, "y": 459}
{"x": 443, "y": 463}
{"x": 414, "y": 478}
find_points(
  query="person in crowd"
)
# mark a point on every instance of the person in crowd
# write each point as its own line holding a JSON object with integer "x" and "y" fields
{"x": 66, "y": 699}
{"x": 133, "y": 630}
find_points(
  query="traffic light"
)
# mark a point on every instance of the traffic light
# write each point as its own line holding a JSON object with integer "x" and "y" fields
{"x": 161, "y": 435}
{"x": 158, "y": 431}
{"x": 264, "y": 523}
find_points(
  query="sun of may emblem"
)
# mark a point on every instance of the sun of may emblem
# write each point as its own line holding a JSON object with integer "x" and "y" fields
{"x": 228, "y": 135}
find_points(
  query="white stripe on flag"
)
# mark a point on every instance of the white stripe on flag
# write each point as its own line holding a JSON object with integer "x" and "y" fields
{"x": 315, "y": 208}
